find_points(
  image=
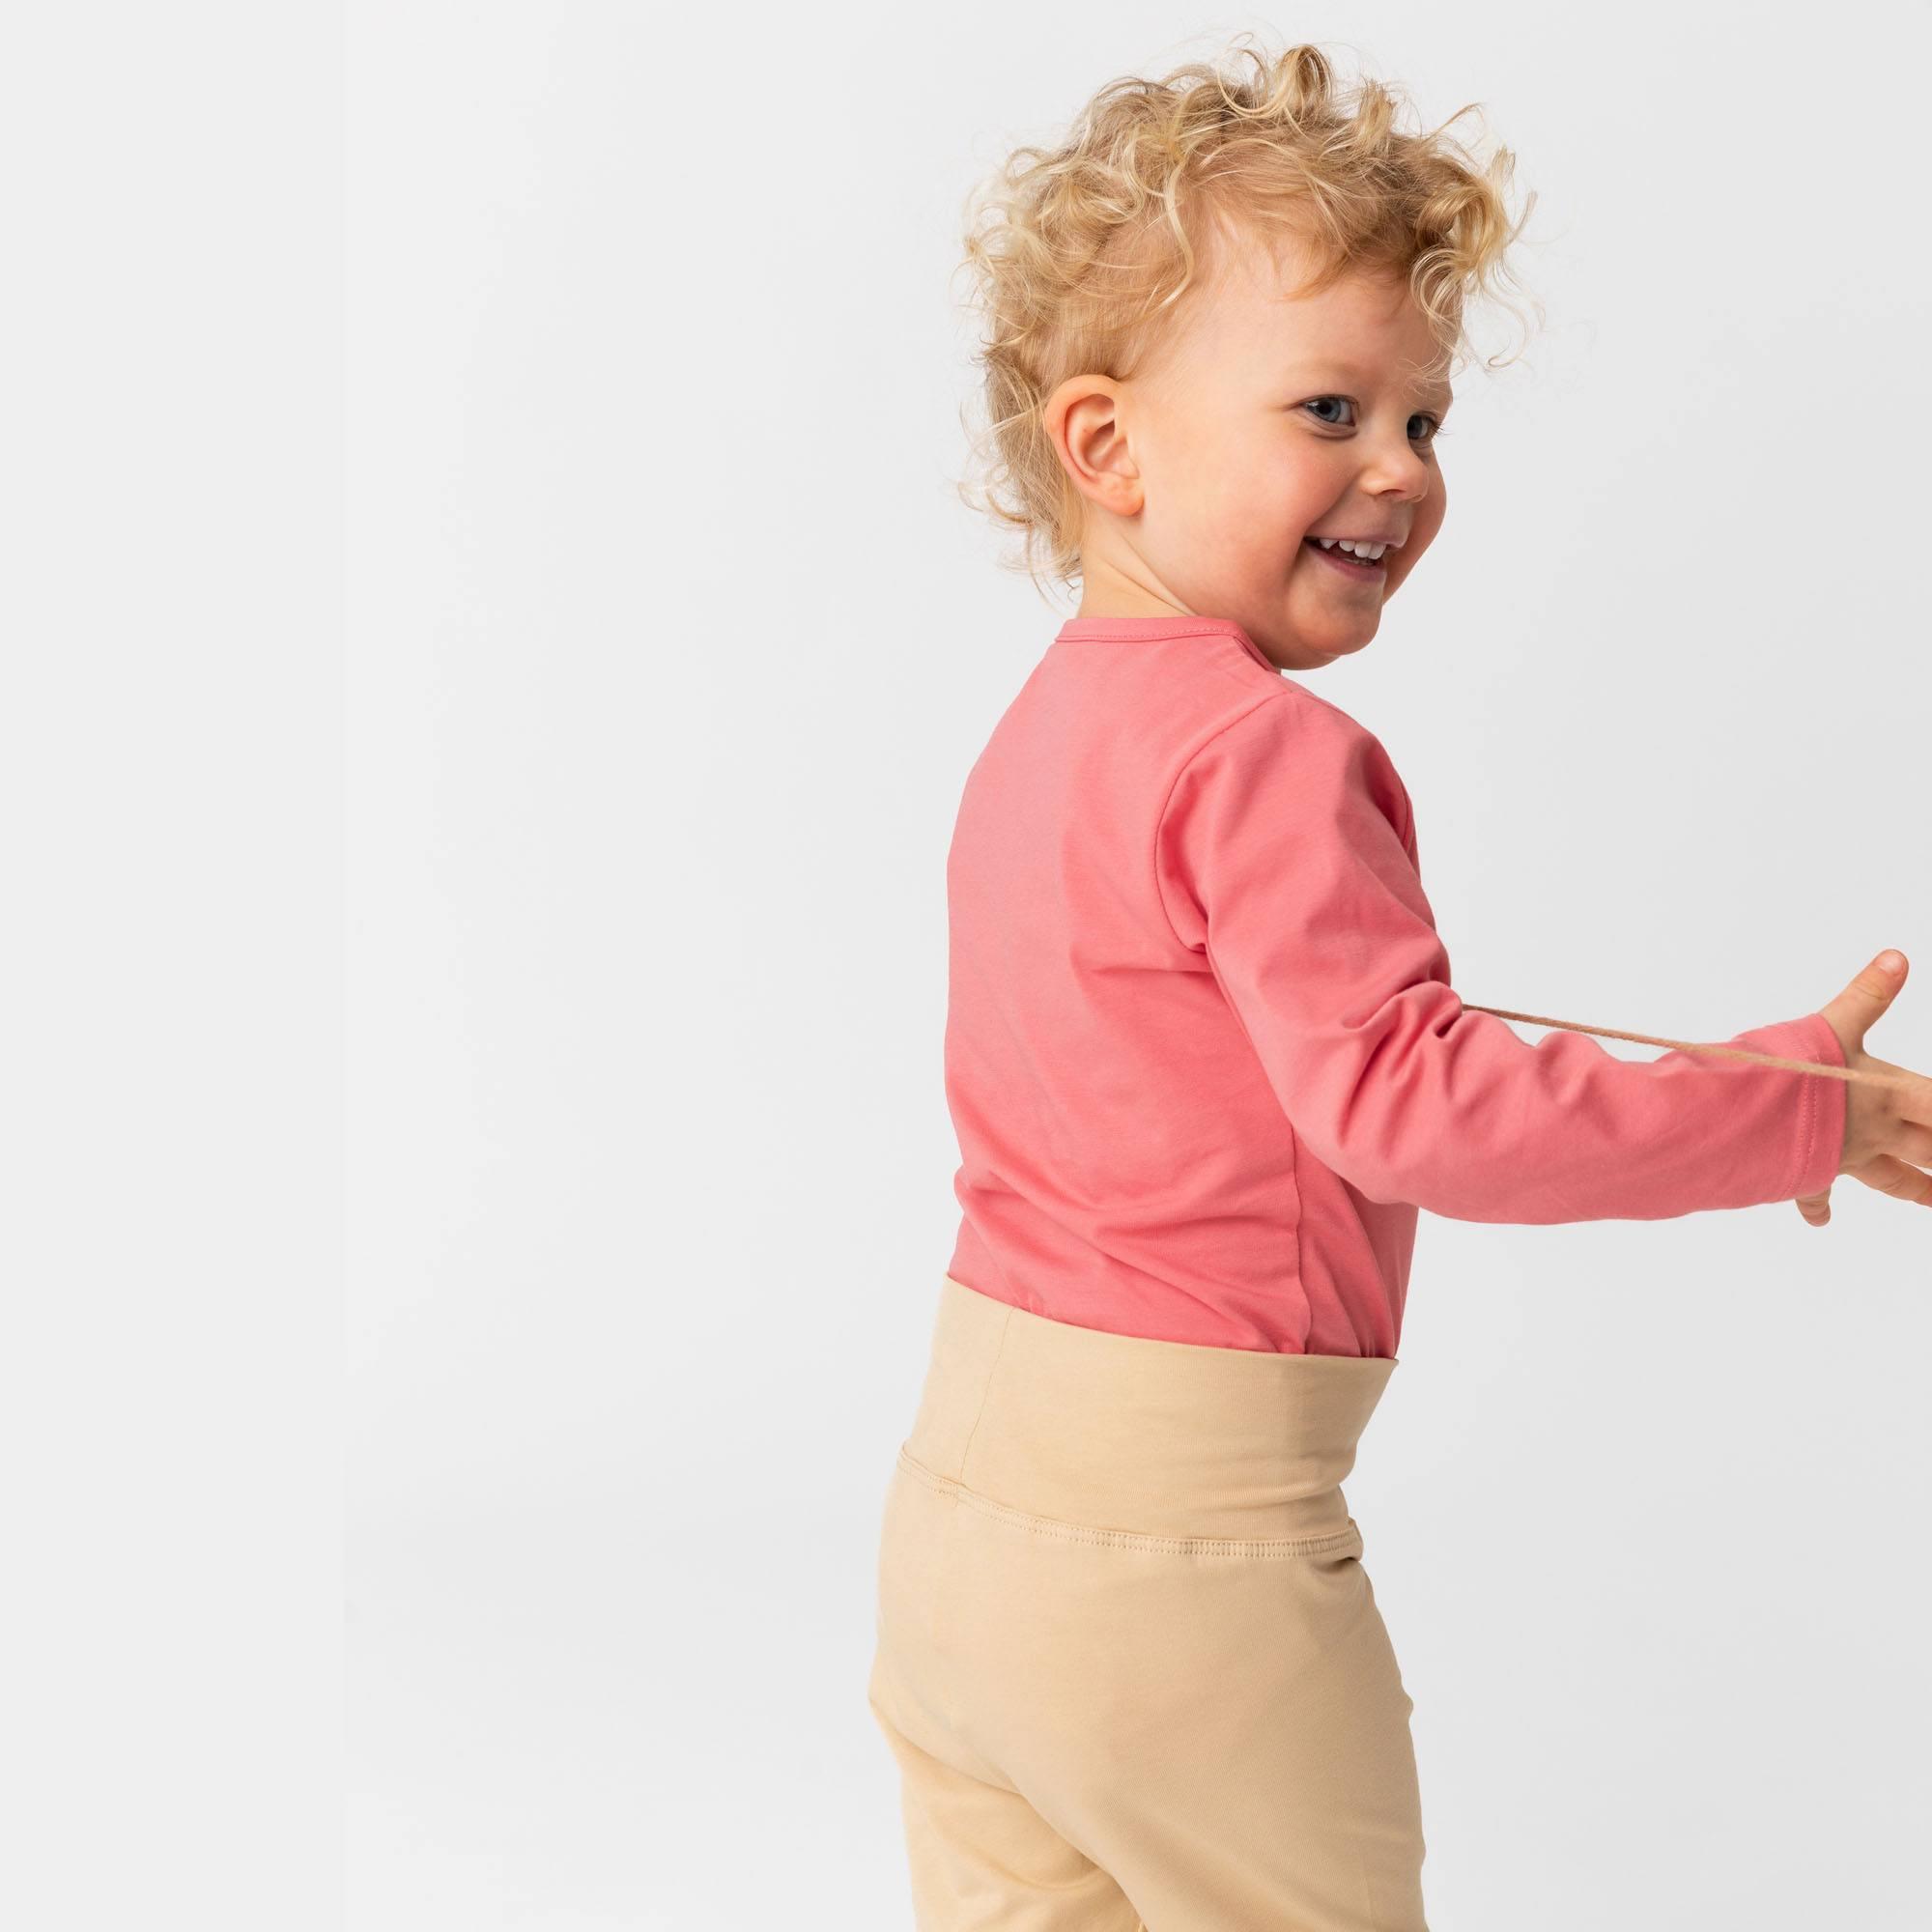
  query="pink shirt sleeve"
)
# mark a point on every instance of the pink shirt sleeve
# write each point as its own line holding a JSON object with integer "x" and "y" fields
{"x": 1285, "y": 854}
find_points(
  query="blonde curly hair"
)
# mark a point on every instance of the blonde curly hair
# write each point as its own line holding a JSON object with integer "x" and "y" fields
{"x": 1078, "y": 249}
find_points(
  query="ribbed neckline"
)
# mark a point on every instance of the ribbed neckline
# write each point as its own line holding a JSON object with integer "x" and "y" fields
{"x": 1130, "y": 630}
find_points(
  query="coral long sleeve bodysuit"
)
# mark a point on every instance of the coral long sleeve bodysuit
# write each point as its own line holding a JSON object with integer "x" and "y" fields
{"x": 1202, "y": 1053}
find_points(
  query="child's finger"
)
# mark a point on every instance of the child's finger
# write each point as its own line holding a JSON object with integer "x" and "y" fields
{"x": 1897, "y": 1178}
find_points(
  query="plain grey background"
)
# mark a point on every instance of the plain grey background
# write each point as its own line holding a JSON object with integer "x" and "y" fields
{"x": 670, "y": 648}
{"x": 481, "y": 780}
{"x": 171, "y": 897}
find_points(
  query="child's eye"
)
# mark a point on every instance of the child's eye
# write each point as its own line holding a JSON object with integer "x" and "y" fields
{"x": 1429, "y": 435}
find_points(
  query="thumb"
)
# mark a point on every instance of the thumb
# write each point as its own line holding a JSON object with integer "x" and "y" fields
{"x": 1859, "y": 1005}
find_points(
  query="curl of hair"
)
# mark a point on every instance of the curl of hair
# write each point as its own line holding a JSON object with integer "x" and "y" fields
{"x": 1081, "y": 252}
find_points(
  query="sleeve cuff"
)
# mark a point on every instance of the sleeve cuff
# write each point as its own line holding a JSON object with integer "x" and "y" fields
{"x": 1822, "y": 1109}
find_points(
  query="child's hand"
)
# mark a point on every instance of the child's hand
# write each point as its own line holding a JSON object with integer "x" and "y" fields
{"x": 1887, "y": 1130}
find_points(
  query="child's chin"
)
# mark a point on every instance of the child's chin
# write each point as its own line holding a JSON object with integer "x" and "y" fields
{"x": 1338, "y": 642}
{"x": 1341, "y": 627}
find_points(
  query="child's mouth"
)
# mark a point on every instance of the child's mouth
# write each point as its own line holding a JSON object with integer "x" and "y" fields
{"x": 1350, "y": 567}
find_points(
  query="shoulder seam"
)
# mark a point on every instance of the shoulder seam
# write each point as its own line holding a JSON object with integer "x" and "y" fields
{"x": 1220, "y": 732}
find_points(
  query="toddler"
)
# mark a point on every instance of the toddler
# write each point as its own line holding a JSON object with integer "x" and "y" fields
{"x": 1202, "y": 1052}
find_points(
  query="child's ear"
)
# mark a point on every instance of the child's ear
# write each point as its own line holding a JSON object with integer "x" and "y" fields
{"x": 1083, "y": 419}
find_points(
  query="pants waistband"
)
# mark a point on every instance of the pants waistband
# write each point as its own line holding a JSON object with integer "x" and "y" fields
{"x": 1163, "y": 1438}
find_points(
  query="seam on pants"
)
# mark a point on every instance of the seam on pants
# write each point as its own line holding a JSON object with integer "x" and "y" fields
{"x": 985, "y": 1390}
{"x": 1128, "y": 1539}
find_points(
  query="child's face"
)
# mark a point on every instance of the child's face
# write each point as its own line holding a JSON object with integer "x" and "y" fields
{"x": 1260, "y": 422}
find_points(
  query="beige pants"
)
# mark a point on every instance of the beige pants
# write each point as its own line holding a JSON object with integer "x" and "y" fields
{"x": 1128, "y": 1661}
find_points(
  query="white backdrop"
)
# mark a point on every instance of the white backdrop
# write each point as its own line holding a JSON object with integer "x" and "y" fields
{"x": 171, "y": 840}
{"x": 668, "y": 649}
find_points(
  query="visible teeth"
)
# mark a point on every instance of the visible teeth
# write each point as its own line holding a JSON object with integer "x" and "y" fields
{"x": 1368, "y": 550}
